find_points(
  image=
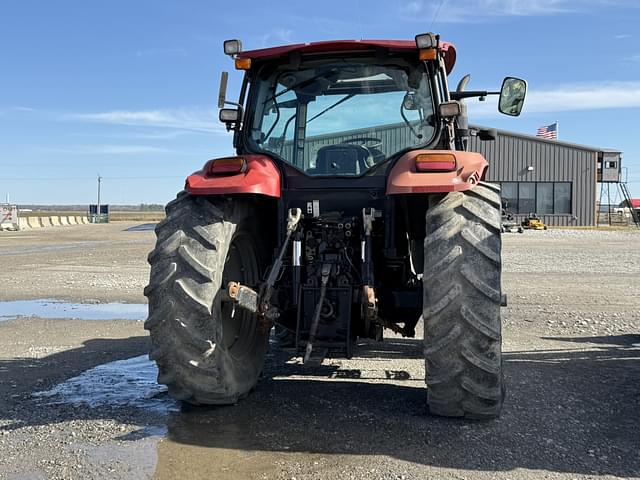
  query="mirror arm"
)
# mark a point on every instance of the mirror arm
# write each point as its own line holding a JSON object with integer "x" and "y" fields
{"x": 226, "y": 102}
{"x": 471, "y": 94}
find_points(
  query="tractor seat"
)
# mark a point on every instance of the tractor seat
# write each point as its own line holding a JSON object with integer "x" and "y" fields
{"x": 343, "y": 159}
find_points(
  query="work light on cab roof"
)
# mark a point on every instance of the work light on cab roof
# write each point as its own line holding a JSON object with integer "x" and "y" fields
{"x": 232, "y": 47}
{"x": 351, "y": 206}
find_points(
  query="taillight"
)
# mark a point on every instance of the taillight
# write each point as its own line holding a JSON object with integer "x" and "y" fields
{"x": 435, "y": 162}
{"x": 227, "y": 166}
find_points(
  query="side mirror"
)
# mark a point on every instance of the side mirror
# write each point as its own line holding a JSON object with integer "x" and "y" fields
{"x": 512, "y": 95}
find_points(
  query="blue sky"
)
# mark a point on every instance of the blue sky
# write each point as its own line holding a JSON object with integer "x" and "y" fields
{"x": 128, "y": 89}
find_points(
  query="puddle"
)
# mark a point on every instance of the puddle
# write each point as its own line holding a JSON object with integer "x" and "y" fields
{"x": 130, "y": 382}
{"x": 142, "y": 228}
{"x": 49, "y": 308}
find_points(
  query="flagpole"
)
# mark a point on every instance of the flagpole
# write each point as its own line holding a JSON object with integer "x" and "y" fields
{"x": 557, "y": 129}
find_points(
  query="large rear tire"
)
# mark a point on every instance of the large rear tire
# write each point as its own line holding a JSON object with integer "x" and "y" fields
{"x": 205, "y": 354}
{"x": 462, "y": 297}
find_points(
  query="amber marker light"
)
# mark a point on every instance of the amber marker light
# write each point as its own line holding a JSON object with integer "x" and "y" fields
{"x": 243, "y": 63}
{"x": 427, "y": 54}
{"x": 435, "y": 162}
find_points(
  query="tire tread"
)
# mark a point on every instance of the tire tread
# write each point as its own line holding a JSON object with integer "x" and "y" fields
{"x": 462, "y": 296}
{"x": 186, "y": 274}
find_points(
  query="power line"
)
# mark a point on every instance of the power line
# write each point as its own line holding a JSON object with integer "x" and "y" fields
{"x": 359, "y": 20}
{"x": 144, "y": 178}
{"x": 435, "y": 15}
{"x": 47, "y": 179}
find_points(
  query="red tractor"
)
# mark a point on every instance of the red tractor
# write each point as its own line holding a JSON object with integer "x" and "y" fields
{"x": 351, "y": 206}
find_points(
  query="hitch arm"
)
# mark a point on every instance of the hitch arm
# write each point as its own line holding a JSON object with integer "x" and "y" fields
{"x": 326, "y": 271}
{"x": 266, "y": 291}
{"x": 258, "y": 302}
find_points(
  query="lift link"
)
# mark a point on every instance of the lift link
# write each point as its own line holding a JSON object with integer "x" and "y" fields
{"x": 326, "y": 271}
{"x": 369, "y": 300}
{"x": 259, "y": 303}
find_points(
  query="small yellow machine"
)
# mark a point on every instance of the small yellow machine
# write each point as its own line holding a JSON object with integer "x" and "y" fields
{"x": 533, "y": 222}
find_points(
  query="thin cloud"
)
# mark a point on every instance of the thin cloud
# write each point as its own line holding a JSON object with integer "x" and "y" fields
{"x": 570, "y": 97}
{"x": 109, "y": 149}
{"x": 413, "y": 7}
{"x": 474, "y": 11}
{"x": 277, "y": 35}
{"x": 621, "y": 36}
{"x": 166, "y": 134}
{"x": 196, "y": 120}
{"x": 16, "y": 108}
{"x": 19, "y": 108}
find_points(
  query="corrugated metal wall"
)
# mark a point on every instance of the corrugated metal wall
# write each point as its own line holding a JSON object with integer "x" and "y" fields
{"x": 511, "y": 155}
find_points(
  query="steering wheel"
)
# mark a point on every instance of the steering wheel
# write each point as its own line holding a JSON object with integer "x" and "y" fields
{"x": 363, "y": 140}
{"x": 374, "y": 154}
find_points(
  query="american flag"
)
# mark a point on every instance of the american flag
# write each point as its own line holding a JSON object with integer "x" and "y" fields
{"x": 548, "y": 131}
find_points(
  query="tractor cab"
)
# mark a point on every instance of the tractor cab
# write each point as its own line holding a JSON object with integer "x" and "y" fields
{"x": 342, "y": 108}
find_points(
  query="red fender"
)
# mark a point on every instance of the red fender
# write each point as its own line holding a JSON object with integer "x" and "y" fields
{"x": 404, "y": 178}
{"x": 260, "y": 177}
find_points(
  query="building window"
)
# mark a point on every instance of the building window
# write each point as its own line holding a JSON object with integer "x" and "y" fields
{"x": 526, "y": 197}
{"x": 562, "y": 197}
{"x": 543, "y": 198}
{"x": 509, "y": 192}
{"x": 610, "y": 164}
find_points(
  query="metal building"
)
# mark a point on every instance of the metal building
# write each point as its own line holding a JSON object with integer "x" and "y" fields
{"x": 556, "y": 180}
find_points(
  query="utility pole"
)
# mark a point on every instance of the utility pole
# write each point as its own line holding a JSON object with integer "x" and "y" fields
{"x": 98, "y": 206}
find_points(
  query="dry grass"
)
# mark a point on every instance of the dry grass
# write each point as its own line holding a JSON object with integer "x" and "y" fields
{"x": 599, "y": 227}
{"x": 136, "y": 216}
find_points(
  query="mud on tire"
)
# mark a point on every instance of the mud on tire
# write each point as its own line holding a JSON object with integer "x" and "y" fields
{"x": 204, "y": 355}
{"x": 462, "y": 297}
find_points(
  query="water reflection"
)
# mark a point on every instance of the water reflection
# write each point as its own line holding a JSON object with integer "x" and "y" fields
{"x": 51, "y": 308}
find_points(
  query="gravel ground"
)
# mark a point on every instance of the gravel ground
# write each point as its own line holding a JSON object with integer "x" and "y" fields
{"x": 572, "y": 363}
{"x": 88, "y": 262}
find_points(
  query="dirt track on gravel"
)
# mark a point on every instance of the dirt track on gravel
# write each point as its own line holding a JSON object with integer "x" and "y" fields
{"x": 572, "y": 363}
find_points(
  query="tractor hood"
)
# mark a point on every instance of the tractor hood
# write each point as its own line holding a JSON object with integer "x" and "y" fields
{"x": 447, "y": 49}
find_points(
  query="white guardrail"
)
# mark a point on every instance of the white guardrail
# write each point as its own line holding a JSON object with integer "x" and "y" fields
{"x": 10, "y": 220}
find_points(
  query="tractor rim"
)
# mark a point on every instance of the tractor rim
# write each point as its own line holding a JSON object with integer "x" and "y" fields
{"x": 239, "y": 327}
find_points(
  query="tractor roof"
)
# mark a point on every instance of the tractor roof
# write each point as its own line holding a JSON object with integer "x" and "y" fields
{"x": 447, "y": 49}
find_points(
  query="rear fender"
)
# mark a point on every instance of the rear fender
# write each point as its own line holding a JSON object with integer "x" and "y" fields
{"x": 261, "y": 177}
{"x": 404, "y": 178}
